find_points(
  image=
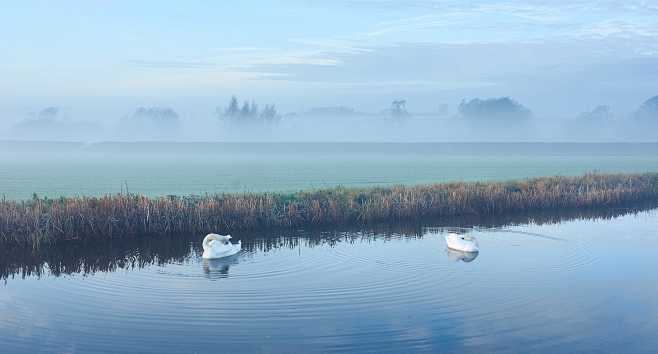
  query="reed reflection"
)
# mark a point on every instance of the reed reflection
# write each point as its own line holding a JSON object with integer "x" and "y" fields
{"x": 73, "y": 257}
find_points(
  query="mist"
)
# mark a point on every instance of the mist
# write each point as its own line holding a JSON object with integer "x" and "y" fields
{"x": 482, "y": 71}
{"x": 497, "y": 119}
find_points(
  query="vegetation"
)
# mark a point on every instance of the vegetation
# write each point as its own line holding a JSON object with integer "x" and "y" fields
{"x": 30, "y": 223}
{"x": 151, "y": 123}
{"x": 248, "y": 113}
{"x": 53, "y": 123}
{"x": 648, "y": 111}
{"x": 65, "y": 258}
{"x": 399, "y": 109}
{"x": 493, "y": 108}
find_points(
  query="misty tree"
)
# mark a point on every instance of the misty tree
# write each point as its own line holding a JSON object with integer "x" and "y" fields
{"x": 45, "y": 119}
{"x": 399, "y": 109}
{"x": 151, "y": 122}
{"x": 156, "y": 114}
{"x": 54, "y": 123}
{"x": 493, "y": 108}
{"x": 233, "y": 109}
{"x": 48, "y": 113}
{"x": 269, "y": 113}
{"x": 248, "y": 112}
{"x": 598, "y": 114}
{"x": 648, "y": 111}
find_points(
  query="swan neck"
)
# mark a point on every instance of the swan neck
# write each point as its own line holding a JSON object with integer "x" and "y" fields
{"x": 206, "y": 242}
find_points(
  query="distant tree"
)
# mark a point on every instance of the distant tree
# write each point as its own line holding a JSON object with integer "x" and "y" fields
{"x": 597, "y": 115}
{"x": 245, "y": 111}
{"x": 49, "y": 113}
{"x": 493, "y": 108}
{"x": 253, "y": 110}
{"x": 249, "y": 112}
{"x": 233, "y": 108}
{"x": 156, "y": 115}
{"x": 43, "y": 123}
{"x": 151, "y": 122}
{"x": 54, "y": 123}
{"x": 399, "y": 109}
{"x": 648, "y": 111}
{"x": 269, "y": 114}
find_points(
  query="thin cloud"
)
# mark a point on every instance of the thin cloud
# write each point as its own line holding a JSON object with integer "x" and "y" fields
{"x": 157, "y": 64}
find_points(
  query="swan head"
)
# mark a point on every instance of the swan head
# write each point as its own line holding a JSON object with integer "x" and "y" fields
{"x": 467, "y": 238}
{"x": 211, "y": 239}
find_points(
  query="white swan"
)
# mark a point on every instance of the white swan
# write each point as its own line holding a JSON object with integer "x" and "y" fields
{"x": 462, "y": 243}
{"x": 218, "y": 246}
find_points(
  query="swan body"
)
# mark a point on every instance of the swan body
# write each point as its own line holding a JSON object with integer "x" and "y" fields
{"x": 462, "y": 243}
{"x": 218, "y": 246}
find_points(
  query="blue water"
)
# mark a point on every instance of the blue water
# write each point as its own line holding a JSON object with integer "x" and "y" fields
{"x": 584, "y": 285}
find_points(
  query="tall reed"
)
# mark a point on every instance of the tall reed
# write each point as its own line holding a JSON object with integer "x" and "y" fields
{"x": 39, "y": 220}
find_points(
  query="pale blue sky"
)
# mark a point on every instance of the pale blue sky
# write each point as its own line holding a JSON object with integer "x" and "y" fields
{"x": 556, "y": 57}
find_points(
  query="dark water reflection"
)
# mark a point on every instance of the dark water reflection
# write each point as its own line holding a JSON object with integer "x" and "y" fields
{"x": 89, "y": 258}
{"x": 547, "y": 283}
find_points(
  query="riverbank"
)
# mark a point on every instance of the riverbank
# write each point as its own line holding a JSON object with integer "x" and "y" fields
{"x": 30, "y": 223}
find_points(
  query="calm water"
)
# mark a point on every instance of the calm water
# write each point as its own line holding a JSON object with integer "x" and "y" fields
{"x": 55, "y": 169}
{"x": 578, "y": 285}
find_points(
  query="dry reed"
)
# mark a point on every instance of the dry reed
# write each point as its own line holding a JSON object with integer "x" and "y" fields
{"x": 32, "y": 222}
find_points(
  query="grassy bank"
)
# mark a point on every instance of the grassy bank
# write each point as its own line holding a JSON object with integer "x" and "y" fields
{"x": 30, "y": 223}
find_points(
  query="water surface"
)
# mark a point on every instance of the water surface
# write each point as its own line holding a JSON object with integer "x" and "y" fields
{"x": 577, "y": 285}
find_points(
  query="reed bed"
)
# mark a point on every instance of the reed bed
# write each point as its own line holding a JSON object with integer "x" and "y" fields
{"x": 33, "y": 222}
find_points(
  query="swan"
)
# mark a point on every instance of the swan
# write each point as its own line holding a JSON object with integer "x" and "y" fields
{"x": 462, "y": 243}
{"x": 218, "y": 246}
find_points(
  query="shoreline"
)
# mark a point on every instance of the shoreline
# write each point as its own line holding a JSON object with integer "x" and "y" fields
{"x": 43, "y": 220}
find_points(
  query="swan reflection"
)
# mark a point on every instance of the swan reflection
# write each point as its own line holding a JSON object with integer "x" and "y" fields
{"x": 218, "y": 268}
{"x": 465, "y": 257}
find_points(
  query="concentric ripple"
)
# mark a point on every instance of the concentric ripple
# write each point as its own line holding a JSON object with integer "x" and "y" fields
{"x": 536, "y": 286}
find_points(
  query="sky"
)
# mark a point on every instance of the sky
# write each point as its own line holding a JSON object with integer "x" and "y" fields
{"x": 101, "y": 59}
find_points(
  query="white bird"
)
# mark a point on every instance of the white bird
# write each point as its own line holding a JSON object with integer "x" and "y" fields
{"x": 218, "y": 246}
{"x": 462, "y": 243}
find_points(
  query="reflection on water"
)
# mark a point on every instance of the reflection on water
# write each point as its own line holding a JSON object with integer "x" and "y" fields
{"x": 541, "y": 284}
{"x": 465, "y": 257}
{"x": 218, "y": 268}
{"x": 98, "y": 256}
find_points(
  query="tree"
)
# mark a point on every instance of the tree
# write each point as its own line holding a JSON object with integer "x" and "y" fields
{"x": 493, "y": 109}
{"x": 248, "y": 112}
{"x": 648, "y": 111}
{"x": 244, "y": 112}
{"x": 269, "y": 113}
{"x": 399, "y": 108}
{"x": 233, "y": 108}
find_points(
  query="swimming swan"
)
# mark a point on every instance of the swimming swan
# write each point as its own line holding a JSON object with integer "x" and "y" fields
{"x": 218, "y": 246}
{"x": 462, "y": 243}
